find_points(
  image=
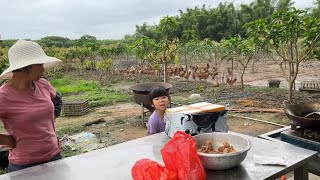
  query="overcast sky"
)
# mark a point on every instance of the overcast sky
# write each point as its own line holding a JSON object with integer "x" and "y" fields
{"x": 104, "y": 19}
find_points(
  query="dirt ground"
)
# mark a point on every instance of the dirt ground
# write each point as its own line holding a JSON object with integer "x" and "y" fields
{"x": 122, "y": 122}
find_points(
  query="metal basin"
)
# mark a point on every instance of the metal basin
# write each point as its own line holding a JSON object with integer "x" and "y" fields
{"x": 140, "y": 92}
{"x": 298, "y": 112}
{"x": 222, "y": 161}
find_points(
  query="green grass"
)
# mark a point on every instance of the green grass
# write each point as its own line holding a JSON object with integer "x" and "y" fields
{"x": 68, "y": 85}
{"x": 96, "y": 93}
{"x": 70, "y": 130}
{"x": 3, "y": 171}
{"x": 67, "y": 151}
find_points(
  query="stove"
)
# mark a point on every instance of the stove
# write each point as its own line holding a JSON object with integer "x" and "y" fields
{"x": 305, "y": 138}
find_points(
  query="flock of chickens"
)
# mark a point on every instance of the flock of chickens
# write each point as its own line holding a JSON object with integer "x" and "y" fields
{"x": 194, "y": 72}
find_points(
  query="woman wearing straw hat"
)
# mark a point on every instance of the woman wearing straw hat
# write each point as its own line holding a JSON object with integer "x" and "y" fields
{"x": 27, "y": 108}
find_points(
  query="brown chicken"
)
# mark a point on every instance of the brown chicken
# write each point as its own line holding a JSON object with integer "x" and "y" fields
{"x": 231, "y": 80}
{"x": 203, "y": 76}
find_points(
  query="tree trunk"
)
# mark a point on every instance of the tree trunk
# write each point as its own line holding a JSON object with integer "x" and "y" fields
{"x": 290, "y": 91}
{"x": 252, "y": 67}
{"x": 241, "y": 77}
{"x": 232, "y": 66}
{"x": 210, "y": 57}
{"x": 165, "y": 75}
{"x": 186, "y": 60}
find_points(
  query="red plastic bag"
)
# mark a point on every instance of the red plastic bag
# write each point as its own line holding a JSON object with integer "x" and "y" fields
{"x": 146, "y": 169}
{"x": 180, "y": 155}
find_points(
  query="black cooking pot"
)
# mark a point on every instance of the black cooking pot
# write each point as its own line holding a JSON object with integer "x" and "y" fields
{"x": 141, "y": 92}
{"x": 298, "y": 112}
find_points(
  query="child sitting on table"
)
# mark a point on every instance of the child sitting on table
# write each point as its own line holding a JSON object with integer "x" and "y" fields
{"x": 160, "y": 100}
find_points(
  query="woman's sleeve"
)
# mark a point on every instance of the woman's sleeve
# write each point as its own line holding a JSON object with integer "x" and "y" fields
{"x": 57, "y": 102}
{"x": 56, "y": 98}
{"x": 2, "y": 111}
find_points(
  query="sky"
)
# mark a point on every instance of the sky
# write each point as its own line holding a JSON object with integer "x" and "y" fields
{"x": 104, "y": 19}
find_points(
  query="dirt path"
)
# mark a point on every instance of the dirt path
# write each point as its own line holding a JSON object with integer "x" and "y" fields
{"x": 266, "y": 71}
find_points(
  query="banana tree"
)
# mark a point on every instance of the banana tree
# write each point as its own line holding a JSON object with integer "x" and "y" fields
{"x": 291, "y": 37}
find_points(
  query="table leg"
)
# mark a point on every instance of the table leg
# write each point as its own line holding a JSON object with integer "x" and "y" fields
{"x": 301, "y": 173}
{"x": 142, "y": 114}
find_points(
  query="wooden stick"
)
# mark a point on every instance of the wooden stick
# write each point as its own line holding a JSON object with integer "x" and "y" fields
{"x": 253, "y": 119}
{"x": 256, "y": 110}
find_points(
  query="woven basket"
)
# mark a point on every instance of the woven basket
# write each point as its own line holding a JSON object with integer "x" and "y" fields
{"x": 75, "y": 108}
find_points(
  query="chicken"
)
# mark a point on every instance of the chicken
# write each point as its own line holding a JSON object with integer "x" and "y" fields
{"x": 203, "y": 76}
{"x": 231, "y": 80}
{"x": 187, "y": 75}
{"x": 193, "y": 75}
{"x": 214, "y": 74}
{"x": 230, "y": 71}
{"x": 182, "y": 73}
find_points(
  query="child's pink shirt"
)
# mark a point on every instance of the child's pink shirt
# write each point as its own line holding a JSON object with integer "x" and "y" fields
{"x": 29, "y": 118}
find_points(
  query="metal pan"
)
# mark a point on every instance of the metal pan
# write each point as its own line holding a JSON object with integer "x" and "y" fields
{"x": 298, "y": 112}
{"x": 141, "y": 92}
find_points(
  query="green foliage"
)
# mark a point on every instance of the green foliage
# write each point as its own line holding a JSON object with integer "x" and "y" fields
{"x": 69, "y": 85}
{"x": 89, "y": 42}
{"x": 105, "y": 65}
{"x": 316, "y": 10}
{"x": 4, "y": 61}
{"x": 112, "y": 50}
{"x": 56, "y": 41}
{"x": 96, "y": 93}
{"x": 168, "y": 28}
{"x": 222, "y": 22}
{"x": 67, "y": 151}
{"x": 146, "y": 30}
{"x": 189, "y": 35}
{"x": 101, "y": 97}
{"x": 143, "y": 46}
{"x": 240, "y": 50}
{"x": 89, "y": 65}
{"x": 292, "y": 35}
{"x": 3, "y": 171}
{"x": 7, "y": 43}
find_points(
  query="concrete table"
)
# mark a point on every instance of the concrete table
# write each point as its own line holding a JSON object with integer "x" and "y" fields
{"x": 115, "y": 162}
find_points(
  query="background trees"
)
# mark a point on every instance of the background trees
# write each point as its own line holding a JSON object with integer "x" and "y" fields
{"x": 291, "y": 37}
{"x": 288, "y": 35}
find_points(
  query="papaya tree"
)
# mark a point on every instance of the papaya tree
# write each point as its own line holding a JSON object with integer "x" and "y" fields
{"x": 168, "y": 45}
{"x": 159, "y": 52}
{"x": 291, "y": 37}
{"x": 189, "y": 50}
{"x": 189, "y": 37}
{"x": 239, "y": 50}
